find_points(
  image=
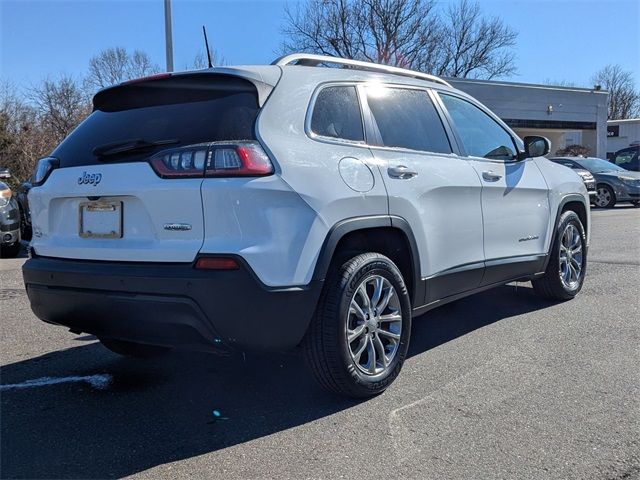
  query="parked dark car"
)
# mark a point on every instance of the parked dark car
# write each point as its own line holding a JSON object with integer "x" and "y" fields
{"x": 4, "y": 173}
{"x": 9, "y": 223}
{"x": 589, "y": 182}
{"x": 628, "y": 158}
{"x": 614, "y": 184}
{"x": 22, "y": 193}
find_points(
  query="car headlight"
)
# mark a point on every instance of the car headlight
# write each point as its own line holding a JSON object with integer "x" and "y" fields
{"x": 5, "y": 197}
{"x": 632, "y": 182}
{"x": 43, "y": 168}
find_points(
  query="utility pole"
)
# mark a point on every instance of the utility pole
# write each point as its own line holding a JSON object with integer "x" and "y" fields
{"x": 168, "y": 34}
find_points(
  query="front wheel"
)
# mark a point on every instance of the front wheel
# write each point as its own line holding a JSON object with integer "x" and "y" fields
{"x": 358, "y": 339}
{"x": 567, "y": 265}
{"x": 605, "y": 197}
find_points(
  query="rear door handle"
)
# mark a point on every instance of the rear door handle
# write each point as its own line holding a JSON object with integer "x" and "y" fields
{"x": 491, "y": 176}
{"x": 401, "y": 172}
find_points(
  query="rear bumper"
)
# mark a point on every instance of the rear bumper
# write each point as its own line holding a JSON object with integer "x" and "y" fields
{"x": 169, "y": 304}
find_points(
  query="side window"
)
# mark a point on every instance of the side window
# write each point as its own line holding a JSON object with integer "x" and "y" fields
{"x": 481, "y": 135}
{"x": 336, "y": 114}
{"x": 407, "y": 119}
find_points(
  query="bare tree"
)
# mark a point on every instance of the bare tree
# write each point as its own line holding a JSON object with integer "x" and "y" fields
{"x": 23, "y": 138}
{"x": 200, "y": 60}
{"x": 460, "y": 42}
{"x": 624, "y": 98}
{"x": 61, "y": 104}
{"x": 475, "y": 46}
{"x": 395, "y": 32}
{"x": 115, "y": 65}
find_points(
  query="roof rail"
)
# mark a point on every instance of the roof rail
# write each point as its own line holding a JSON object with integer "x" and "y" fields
{"x": 312, "y": 60}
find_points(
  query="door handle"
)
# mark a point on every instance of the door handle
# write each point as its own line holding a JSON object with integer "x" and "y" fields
{"x": 401, "y": 172}
{"x": 491, "y": 176}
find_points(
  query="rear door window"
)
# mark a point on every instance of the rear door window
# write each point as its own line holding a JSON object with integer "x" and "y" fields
{"x": 481, "y": 135}
{"x": 190, "y": 109}
{"x": 336, "y": 114}
{"x": 406, "y": 118}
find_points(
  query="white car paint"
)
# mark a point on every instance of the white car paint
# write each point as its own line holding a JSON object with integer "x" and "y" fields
{"x": 515, "y": 208}
{"x": 279, "y": 223}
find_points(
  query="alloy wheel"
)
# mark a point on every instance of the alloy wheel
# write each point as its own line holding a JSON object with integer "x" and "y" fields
{"x": 571, "y": 257}
{"x": 374, "y": 325}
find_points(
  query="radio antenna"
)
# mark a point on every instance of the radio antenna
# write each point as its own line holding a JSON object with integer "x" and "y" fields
{"x": 206, "y": 44}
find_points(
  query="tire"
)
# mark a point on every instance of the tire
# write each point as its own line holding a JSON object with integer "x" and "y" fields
{"x": 561, "y": 281}
{"x": 636, "y": 203}
{"x": 131, "y": 349}
{"x": 334, "y": 360}
{"x": 605, "y": 197}
{"x": 10, "y": 252}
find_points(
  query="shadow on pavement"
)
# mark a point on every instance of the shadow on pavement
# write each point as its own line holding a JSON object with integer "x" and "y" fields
{"x": 160, "y": 411}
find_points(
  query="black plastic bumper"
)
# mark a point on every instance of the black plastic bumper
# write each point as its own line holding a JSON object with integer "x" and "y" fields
{"x": 169, "y": 304}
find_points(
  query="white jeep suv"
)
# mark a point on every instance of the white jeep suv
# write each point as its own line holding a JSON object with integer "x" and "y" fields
{"x": 266, "y": 207}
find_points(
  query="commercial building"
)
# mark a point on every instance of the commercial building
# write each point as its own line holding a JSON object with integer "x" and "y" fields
{"x": 565, "y": 115}
{"x": 621, "y": 134}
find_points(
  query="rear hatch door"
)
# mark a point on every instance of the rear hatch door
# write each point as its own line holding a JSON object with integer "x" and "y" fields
{"x": 105, "y": 201}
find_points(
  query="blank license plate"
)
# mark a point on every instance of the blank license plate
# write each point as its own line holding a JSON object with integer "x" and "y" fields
{"x": 101, "y": 220}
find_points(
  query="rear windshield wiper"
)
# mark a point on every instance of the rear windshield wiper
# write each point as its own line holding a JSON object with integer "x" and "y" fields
{"x": 115, "y": 148}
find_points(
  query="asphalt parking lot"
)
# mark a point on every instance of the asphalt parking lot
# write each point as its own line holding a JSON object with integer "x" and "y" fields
{"x": 498, "y": 385}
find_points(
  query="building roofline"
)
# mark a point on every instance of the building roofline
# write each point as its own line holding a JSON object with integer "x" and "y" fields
{"x": 524, "y": 85}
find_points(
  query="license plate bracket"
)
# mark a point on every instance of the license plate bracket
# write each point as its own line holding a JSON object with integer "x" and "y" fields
{"x": 100, "y": 219}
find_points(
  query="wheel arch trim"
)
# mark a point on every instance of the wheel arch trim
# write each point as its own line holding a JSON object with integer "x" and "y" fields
{"x": 569, "y": 198}
{"x": 353, "y": 224}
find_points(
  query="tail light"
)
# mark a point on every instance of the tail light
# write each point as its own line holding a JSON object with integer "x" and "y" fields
{"x": 223, "y": 159}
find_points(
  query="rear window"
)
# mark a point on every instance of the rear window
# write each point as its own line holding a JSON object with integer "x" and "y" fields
{"x": 188, "y": 108}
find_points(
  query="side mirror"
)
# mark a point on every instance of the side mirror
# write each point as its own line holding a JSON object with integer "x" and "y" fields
{"x": 535, "y": 146}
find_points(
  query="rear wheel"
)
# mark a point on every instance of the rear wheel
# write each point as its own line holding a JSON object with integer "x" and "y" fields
{"x": 359, "y": 337}
{"x": 131, "y": 349}
{"x": 636, "y": 203}
{"x": 605, "y": 197}
{"x": 565, "y": 271}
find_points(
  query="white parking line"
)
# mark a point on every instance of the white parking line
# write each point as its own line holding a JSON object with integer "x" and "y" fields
{"x": 99, "y": 382}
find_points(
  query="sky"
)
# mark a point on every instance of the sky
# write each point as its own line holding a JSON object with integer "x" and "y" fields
{"x": 558, "y": 39}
